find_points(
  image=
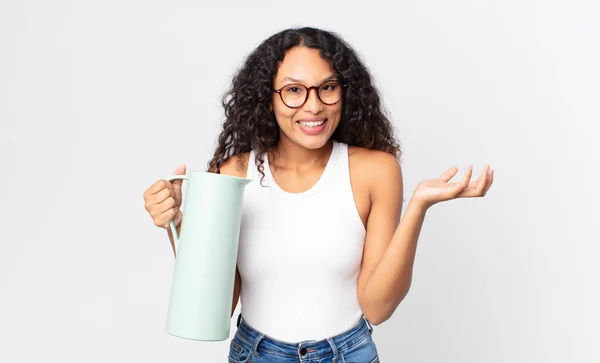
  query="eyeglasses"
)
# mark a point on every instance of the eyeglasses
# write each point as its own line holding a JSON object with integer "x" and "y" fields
{"x": 295, "y": 95}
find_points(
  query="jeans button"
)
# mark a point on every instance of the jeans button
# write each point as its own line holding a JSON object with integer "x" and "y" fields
{"x": 302, "y": 351}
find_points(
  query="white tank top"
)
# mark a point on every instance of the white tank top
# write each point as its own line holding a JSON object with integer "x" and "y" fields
{"x": 300, "y": 254}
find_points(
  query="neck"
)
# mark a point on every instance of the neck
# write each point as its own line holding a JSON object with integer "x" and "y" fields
{"x": 289, "y": 155}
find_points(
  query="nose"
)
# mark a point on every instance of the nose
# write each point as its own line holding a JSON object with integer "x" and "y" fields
{"x": 313, "y": 104}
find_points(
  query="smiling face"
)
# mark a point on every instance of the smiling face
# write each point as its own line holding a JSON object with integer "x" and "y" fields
{"x": 312, "y": 124}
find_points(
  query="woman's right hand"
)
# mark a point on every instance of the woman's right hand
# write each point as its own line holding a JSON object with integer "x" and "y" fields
{"x": 163, "y": 200}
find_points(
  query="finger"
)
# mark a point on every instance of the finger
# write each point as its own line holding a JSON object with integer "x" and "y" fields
{"x": 464, "y": 184}
{"x": 165, "y": 218}
{"x": 153, "y": 201}
{"x": 463, "y": 188}
{"x": 482, "y": 181}
{"x": 470, "y": 192}
{"x": 181, "y": 169}
{"x": 490, "y": 181}
{"x": 479, "y": 187}
{"x": 166, "y": 205}
{"x": 448, "y": 174}
{"x": 157, "y": 187}
{"x": 161, "y": 196}
{"x": 468, "y": 175}
{"x": 473, "y": 185}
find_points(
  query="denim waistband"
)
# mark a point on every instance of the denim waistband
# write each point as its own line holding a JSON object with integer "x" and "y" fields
{"x": 308, "y": 349}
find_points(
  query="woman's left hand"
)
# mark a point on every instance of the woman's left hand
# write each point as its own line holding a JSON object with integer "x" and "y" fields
{"x": 430, "y": 192}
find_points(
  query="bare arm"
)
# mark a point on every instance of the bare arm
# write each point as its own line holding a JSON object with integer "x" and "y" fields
{"x": 388, "y": 256}
{"x": 236, "y": 290}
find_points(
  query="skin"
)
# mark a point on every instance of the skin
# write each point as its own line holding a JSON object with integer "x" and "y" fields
{"x": 376, "y": 177}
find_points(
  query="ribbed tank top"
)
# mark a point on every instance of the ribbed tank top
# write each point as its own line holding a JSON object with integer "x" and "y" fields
{"x": 300, "y": 254}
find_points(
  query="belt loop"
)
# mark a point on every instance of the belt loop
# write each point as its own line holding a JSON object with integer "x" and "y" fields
{"x": 368, "y": 324}
{"x": 257, "y": 341}
{"x": 239, "y": 319}
{"x": 334, "y": 348}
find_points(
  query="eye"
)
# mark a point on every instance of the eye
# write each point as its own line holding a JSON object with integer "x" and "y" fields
{"x": 329, "y": 87}
{"x": 294, "y": 90}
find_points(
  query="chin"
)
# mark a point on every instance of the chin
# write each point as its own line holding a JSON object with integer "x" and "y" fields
{"x": 313, "y": 142}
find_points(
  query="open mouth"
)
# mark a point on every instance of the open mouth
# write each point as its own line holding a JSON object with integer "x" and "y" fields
{"x": 311, "y": 124}
{"x": 312, "y": 127}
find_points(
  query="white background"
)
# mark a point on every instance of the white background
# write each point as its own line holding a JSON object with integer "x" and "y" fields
{"x": 98, "y": 99}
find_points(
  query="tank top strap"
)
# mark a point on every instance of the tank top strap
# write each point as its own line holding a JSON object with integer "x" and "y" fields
{"x": 339, "y": 163}
{"x": 342, "y": 155}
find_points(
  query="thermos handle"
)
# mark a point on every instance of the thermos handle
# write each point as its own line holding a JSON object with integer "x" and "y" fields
{"x": 171, "y": 223}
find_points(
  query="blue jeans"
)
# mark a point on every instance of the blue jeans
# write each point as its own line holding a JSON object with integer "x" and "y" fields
{"x": 353, "y": 346}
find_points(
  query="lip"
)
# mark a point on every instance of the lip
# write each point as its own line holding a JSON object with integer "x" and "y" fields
{"x": 312, "y": 119}
{"x": 312, "y": 130}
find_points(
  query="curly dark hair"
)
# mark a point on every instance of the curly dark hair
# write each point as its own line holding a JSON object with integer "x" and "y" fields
{"x": 250, "y": 124}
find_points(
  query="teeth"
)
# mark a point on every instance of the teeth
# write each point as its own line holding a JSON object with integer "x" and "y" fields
{"x": 311, "y": 123}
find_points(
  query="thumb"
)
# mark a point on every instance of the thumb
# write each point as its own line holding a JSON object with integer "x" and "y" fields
{"x": 448, "y": 174}
{"x": 181, "y": 169}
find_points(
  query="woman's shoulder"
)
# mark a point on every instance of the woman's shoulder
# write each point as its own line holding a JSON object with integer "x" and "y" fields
{"x": 372, "y": 162}
{"x": 377, "y": 171}
{"x": 236, "y": 165}
{"x": 375, "y": 175}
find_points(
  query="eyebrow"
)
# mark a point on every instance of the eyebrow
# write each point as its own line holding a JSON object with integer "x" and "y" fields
{"x": 299, "y": 81}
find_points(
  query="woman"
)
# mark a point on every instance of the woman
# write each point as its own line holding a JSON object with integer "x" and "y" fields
{"x": 322, "y": 251}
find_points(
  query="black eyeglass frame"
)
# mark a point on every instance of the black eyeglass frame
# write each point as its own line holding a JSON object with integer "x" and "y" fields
{"x": 308, "y": 89}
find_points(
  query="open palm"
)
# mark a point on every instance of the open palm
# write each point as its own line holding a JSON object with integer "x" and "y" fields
{"x": 438, "y": 190}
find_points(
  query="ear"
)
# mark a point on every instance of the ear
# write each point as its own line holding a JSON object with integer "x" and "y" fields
{"x": 270, "y": 107}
